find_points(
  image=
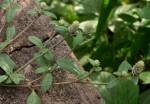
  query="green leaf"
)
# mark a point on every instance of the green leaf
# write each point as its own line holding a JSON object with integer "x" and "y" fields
{"x": 50, "y": 14}
{"x": 42, "y": 60}
{"x": 107, "y": 8}
{"x": 5, "y": 67}
{"x": 134, "y": 79}
{"x": 33, "y": 99}
{"x": 62, "y": 30}
{"x": 10, "y": 13}
{"x": 8, "y": 81}
{"x": 55, "y": 23}
{"x": 8, "y": 1}
{"x": 68, "y": 65}
{"x": 4, "y": 5}
{"x": 145, "y": 77}
{"x": 145, "y": 97}
{"x": 6, "y": 59}
{"x": 41, "y": 70}
{"x": 4, "y": 44}
{"x": 47, "y": 82}
{"x": 144, "y": 13}
{"x": 97, "y": 69}
{"x": 82, "y": 75}
{"x": 32, "y": 11}
{"x": 48, "y": 55}
{"x": 124, "y": 67}
{"x": 126, "y": 8}
{"x": 117, "y": 73}
{"x": 112, "y": 83}
{"x": 128, "y": 18}
{"x": 35, "y": 40}
{"x": 10, "y": 32}
{"x": 3, "y": 78}
{"x": 16, "y": 78}
{"x": 15, "y": 6}
{"x": 125, "y": 91}
{"x": 78, "y": 39}
{"x": 92, "y": 62}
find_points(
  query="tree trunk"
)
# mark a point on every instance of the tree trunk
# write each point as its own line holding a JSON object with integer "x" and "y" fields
{"x": 21, "y": 51}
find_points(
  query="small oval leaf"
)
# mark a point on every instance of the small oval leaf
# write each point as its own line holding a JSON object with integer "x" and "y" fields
{"x": 83, "y": 75}
{"x": 10, "y": 13}
{"x": 92, "y": 62}
{"x": 16, "y": 78}
{"x": 33, "y": 99}
{"x": 145, "y": 77}
{"x": 78, "y": 39}
{"x": 4, "y": 5}
{"x": 42, "y": 60}
{"x": 3, "y": 78}
{"x": 5, "y": 67}
{"x": 4, "y": 44}
{"x": 35, "y": 40}
{"x": 68, "y": 65}
{"x": 50, "y": 14}
{"x": 32, "y": 11}
{"x": 41, "y": 70}
{"x": 4, "y": 58}
{"x": 97, "y": 69}
{"x": 124, "y": 67}
{"x": 10, "y": 32}
{"x": 8, "y": 81}
{"x": 62, "y": 30}
{"x": 46, "y": 82}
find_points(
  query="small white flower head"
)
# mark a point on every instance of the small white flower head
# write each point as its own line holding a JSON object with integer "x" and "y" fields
{"x": 74, "y": 26}
{"x": 96, "y": 63}
{"x": 61, "y": 22}
{"x": 138, "y": 67}
{"x": 43, "y": 4}
{"x": 88, "y": 29}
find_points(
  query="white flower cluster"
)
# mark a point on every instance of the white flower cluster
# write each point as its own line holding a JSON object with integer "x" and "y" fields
{"x": 138, "y": 67}
{"x": 74, "y": 27}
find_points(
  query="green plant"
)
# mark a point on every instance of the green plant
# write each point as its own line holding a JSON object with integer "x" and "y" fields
{"x": 119, "y": 33}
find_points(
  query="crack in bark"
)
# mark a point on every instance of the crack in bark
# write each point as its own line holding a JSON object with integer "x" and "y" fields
{"x": 26, "y": 46}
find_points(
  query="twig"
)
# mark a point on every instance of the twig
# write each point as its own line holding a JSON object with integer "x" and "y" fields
{"x": 78, "y": 81}
{"x": 14, "y": 85}
{"x": 59, "y": 83}
{"x": 70, "y": 52}
{"x": 37, "y": 79}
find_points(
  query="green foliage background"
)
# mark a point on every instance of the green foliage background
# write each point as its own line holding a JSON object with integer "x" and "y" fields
{"x": 122, "y": 30}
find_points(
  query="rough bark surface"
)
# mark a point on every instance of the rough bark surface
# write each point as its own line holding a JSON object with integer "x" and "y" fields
{"x": 21, "y": 51}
